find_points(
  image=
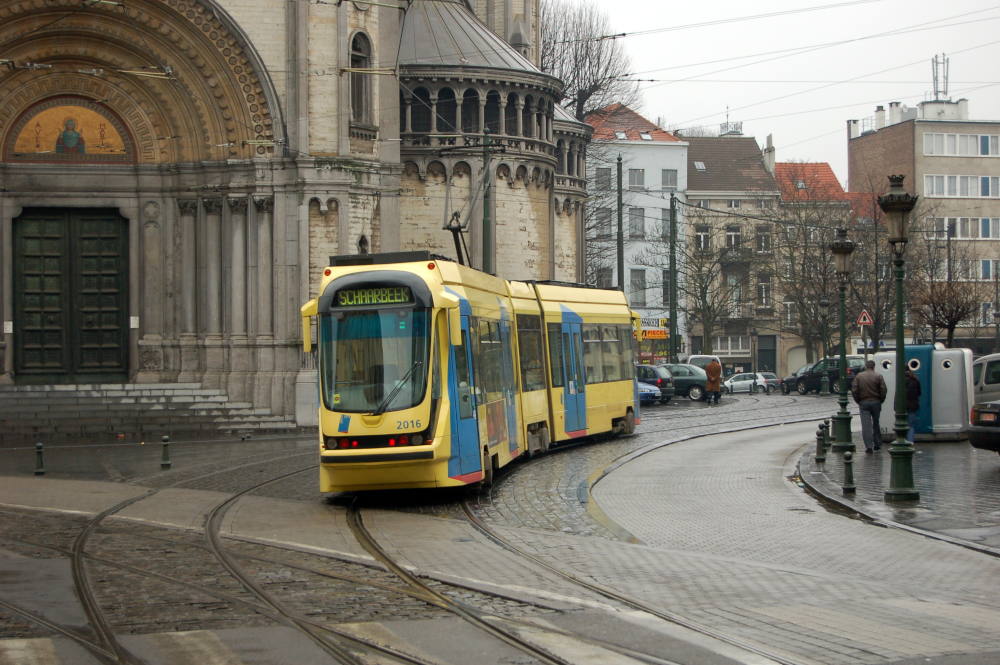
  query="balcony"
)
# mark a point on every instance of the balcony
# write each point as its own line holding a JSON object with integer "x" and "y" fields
{"x": 736, "y": 256}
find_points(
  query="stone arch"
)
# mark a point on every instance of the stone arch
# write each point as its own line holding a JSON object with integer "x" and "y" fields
{"x": 213, "y": 102}
{"x": 536, "y": 176}
{"x": 447, "y": 109}
{"x": 503, "y": 172}
{"x": 436, "y": 170}
{"x": 411, "y": 170}
{"x": 461, "y": 170}
{"x": 510, "y": 116}
{"x": 420, "y": 110}
{"x": 527, "y": 117}
{"x": 470, "y": 111}
{"x": 493, "y": 112}
{"x": 521, "y": 174}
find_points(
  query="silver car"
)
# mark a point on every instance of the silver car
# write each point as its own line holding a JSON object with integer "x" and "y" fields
{"x": 986, "y": 379}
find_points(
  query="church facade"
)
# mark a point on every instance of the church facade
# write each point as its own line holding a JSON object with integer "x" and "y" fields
{"x": 175, "y": 173}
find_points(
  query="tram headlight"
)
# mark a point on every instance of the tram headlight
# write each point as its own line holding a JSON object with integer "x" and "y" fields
{"x": 417, "y": 440}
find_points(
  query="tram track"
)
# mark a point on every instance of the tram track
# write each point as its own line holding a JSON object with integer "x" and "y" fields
{"x": 503, "y": 629}
{"x": 616, "y": 596}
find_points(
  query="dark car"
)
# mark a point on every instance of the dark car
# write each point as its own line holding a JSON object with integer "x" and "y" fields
{"x": 689, "y": 380}
{"x": 984, "y": 427}
{"x": 810, "y": 379}
{"x": 788, "y": 383}
{"x": 648, "y": 393}
{"x": 659, "y": 377}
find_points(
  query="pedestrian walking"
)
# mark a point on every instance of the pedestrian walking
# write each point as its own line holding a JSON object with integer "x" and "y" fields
{"x": 714, "y": 384}
{"x": 869, "y": 390}
{"x": 912, "y": 402}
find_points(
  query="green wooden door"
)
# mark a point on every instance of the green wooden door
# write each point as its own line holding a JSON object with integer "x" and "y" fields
{"x": 70, "y": 296}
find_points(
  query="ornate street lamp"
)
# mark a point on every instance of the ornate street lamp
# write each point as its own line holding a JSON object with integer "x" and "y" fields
{"x": 897, "y": 205}
{"x": 842, "y": 247}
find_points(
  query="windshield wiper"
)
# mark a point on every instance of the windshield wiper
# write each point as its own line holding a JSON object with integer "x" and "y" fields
{"x": 387, "y": 400}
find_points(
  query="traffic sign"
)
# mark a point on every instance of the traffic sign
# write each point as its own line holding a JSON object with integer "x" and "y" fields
{"x": 865, "y": 319}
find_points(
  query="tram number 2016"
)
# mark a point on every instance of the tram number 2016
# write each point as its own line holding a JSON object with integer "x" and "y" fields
{"x": 407, "y": 424}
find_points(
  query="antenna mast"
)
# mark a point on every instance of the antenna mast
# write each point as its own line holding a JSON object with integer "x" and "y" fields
{"x": 939, "y": 68}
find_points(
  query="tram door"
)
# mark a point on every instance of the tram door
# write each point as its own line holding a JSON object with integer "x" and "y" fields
{"x": 575, "y": 391}
{"x": 466, "y": 444}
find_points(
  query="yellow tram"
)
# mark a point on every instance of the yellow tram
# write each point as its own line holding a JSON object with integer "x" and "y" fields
{"x": 433, "y": 374}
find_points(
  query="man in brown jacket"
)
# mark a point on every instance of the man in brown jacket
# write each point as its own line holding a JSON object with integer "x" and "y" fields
{"x": 714, "y": 384}
{"x": 869, "y": 390}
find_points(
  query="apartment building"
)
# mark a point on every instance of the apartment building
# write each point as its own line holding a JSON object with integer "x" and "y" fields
{"x": 952, "y": 162}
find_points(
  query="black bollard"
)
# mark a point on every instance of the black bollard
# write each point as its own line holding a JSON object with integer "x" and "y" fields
{"x": 825, "y": 426}
{"x": 820, "y": 448}
{"x": 165, "y": 458}
{"x": 849, "y": 472}
{"x": 39, "y": 459}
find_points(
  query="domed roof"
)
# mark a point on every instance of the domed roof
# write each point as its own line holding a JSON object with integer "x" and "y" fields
{"x": 447, "y": 33}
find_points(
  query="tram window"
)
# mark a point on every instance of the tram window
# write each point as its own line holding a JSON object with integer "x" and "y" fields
{"x": 612, "y": 351}
{"x": 581, "y": 374}
{"x": 436, "y": 368}
{"x": 529, "y": 346}
{"x": 627, "y": 336}
{"x": 556, "y": 354}
{"x": 592, "y": 356}
{"x": 490, "y": 359}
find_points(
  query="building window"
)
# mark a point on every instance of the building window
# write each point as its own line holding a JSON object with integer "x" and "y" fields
{"x": 734, "y": 203}
{"x": 962, "y": 186}
{"x": 602, "y": 223}
{"x": 764, "y": 239}
{"x": 620, "y": 135}
{"x": 645, "y": 136}
{"x": 765, "y": 204}
{"x": 987, "y": 268}
{"x": 637, "y": 179}
{"x": 668, "y": 179}
{"x": 960, "y": 145}
{"x": 791, "y": 314}
{"x": 637, "y": 288}
{"x": 702, "y": 238}
{"x": 764, "y": 290}
{"x": 361, "y": 58}
{"x": 602, "y": 277}
{"x": 986, "y": 318}
{"x": 733, "y": 237}
{"x": 700, "y": 166}
{"x": 703, "y": 203}
{"x": 636, "y": 222}
{"x": 800, "y": 184}
{"x": 603, "y": 178}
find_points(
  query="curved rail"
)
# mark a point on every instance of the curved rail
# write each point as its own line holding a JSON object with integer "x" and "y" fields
{"x": 461, "y": 610}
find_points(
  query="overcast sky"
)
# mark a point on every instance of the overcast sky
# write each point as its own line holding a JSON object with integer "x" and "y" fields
{"x": 801, "y": 75}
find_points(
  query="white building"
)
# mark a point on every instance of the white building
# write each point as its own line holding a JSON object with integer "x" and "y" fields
{"x": 654, "y": 167}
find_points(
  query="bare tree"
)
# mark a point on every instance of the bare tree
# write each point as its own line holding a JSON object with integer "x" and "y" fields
{"x": 578, "y": 48}
{"x": 944, "y": 293}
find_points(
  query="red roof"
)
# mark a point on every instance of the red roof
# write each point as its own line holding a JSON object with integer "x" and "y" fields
{"x": 864, "y": 205}
{"x": 620, "y": 118}
{"x": 808, "y": 182}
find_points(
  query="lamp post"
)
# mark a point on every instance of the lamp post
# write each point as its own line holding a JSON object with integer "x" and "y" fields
{"x": 842, "y": 247}
{"x": 824, "y": 318}
{"x": 897, "y": 205}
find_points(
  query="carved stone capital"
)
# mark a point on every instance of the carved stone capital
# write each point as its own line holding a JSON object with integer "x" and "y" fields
{"x": 237, "y": 206}
{"x": 188, "y": 207}
{"x": 212, "y": 206}
{"x": 265, "y": 204}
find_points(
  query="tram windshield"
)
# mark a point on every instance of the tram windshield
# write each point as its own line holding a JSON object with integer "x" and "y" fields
{"x": 372, "y": 361}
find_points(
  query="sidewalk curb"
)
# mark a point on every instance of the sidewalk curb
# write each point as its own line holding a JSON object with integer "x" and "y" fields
{"x": 819, "y": 483}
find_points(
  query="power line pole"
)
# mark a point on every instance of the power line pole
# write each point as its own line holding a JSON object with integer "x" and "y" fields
{"x": 673, "y": 278}
{"x": 488, "y": 253}
{"x": 621, "y": 231}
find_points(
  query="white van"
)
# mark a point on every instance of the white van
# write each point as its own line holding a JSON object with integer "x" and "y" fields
{"x": 986, "y": 378}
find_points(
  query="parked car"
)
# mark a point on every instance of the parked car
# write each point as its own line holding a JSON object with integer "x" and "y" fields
{"x": 986, "y": 378}
{"x": 689, "y": 380}
{"x": 648, "y": 393}
{"x": 751, "y": 382}
{"x": 984, "y": 426}
{"x": 788, "y": 383}
{"x": 659, "y": 377}
{"x": 810, "y": 379}
{"x": 701, "y": 361}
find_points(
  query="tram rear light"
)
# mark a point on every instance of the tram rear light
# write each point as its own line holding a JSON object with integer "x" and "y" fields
{"x": 354, "y": 444}
{"x": 431, "y": 266}
{"x": 404, "y": 440}
{"x": 392, "y": 443}
{"x": 327, "y": 272}
{"x": 344, "y": 443}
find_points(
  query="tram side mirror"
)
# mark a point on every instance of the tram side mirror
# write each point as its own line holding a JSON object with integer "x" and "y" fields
{"x": 308, "y": 311}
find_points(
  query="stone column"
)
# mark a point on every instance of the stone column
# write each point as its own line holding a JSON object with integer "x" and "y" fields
{"x": 408, "y": 114}
{"x": 434, "y": 114}
{"x": 211, "y": 292}
{"x": 482, "y": 114}
{"x": 265, "y": 294}
{"x": 188, "y": 209}
{"x": 152, "y": 301}
{"x": 503, "y": 115}
{"x": 520, "y": 116}
{"x": 238, "y": 378}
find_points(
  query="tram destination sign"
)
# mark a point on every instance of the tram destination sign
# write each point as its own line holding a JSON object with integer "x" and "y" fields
{"x": 375, "y": 295}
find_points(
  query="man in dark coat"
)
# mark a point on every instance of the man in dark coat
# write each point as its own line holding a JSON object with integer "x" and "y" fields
{"x": 869, "y": 390}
